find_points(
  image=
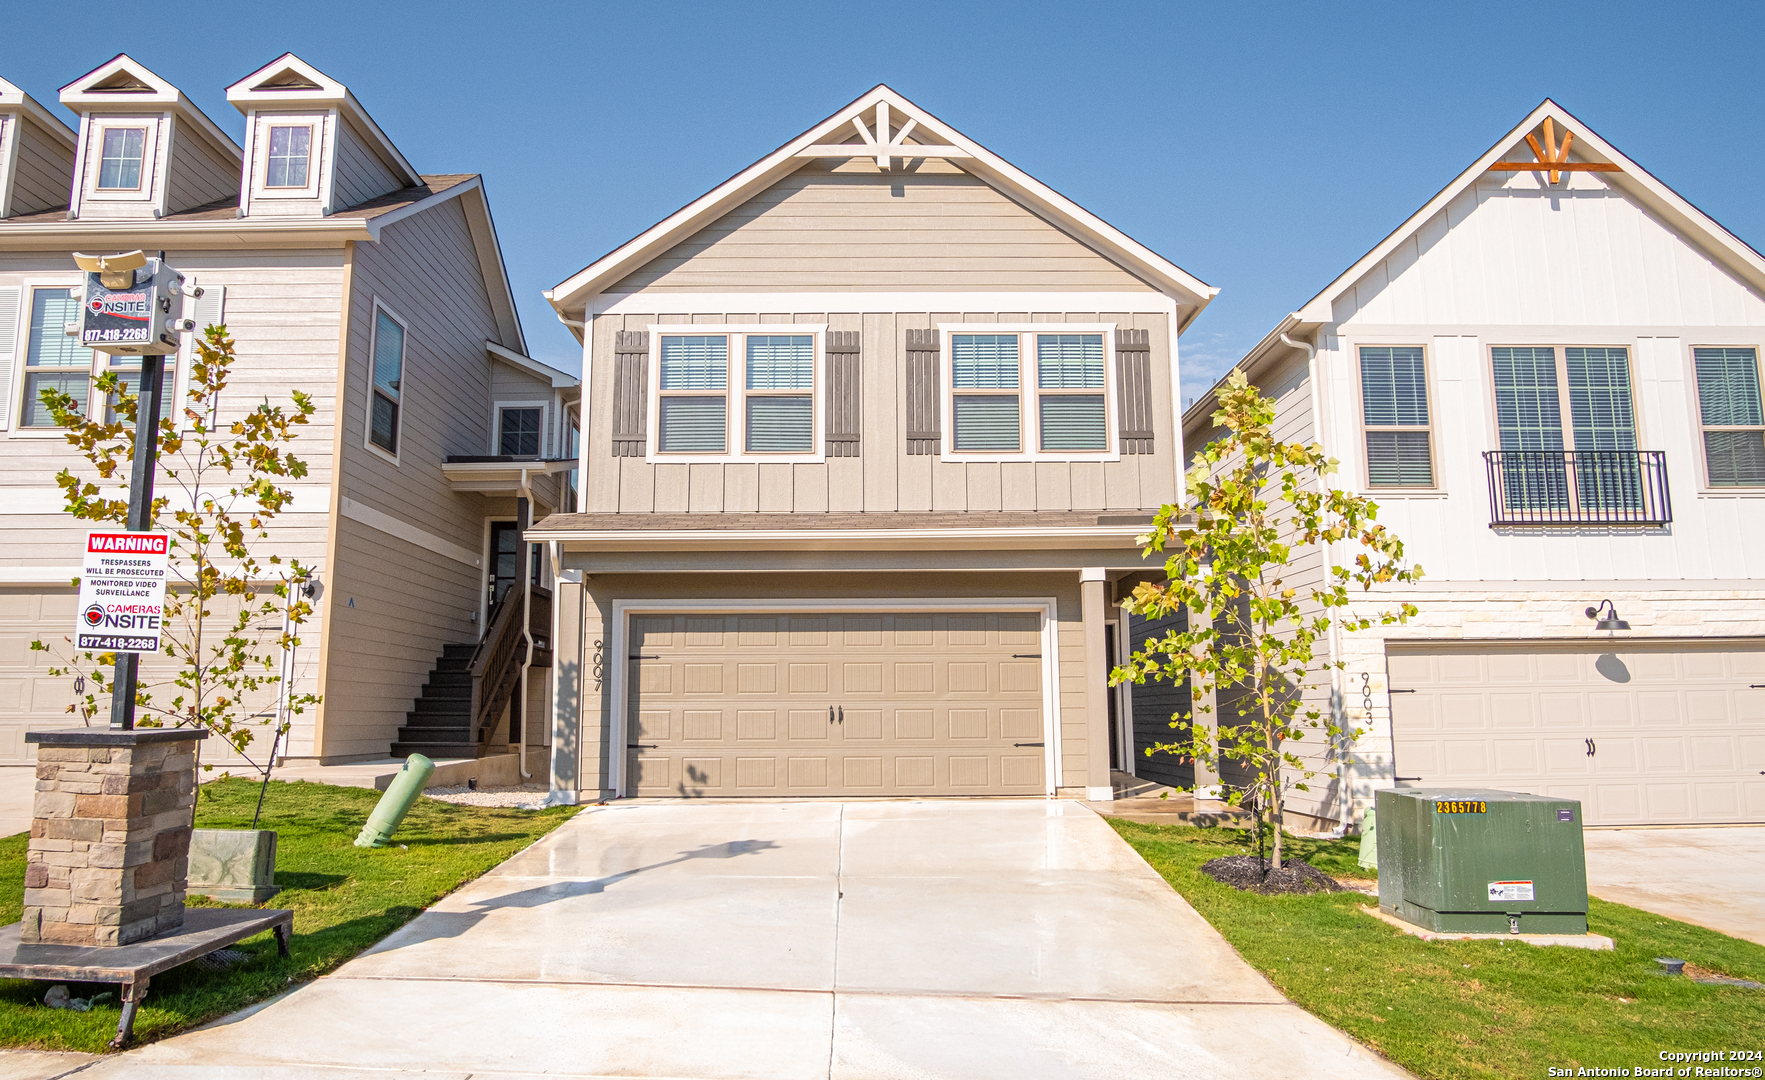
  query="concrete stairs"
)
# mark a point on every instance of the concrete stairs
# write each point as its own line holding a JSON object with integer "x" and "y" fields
{"x": 439, "y": 724}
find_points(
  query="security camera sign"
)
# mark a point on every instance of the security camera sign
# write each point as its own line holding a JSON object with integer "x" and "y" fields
{"x": 117, "y": 316}
{"x": 122, "y": 592}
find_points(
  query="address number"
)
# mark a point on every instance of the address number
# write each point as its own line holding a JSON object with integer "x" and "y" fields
{"x": 1461, "y": 807}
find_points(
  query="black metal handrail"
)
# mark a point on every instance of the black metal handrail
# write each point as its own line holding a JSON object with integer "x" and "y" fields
{"x": 1578, "y": 487}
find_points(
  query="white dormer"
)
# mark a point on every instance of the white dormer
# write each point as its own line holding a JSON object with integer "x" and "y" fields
{"x": 310, "y": 146}
{"x": 36, "y": 155}
{"x": 145, "y": 150}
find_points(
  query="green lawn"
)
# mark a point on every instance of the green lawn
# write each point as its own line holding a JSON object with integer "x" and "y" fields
{"x": 344, "y": 899}
{"x": 1470, "y": 1009}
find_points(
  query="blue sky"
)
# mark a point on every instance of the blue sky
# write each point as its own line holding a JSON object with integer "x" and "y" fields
{"x": 1262, "y": 147}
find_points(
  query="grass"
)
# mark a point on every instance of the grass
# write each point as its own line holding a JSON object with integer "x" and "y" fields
{"x": 1469, "y": 1009}
{"x": 344, "y": 899}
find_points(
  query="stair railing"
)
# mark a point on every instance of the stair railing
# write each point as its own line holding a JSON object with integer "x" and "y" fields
{"x": 496, "y": 664}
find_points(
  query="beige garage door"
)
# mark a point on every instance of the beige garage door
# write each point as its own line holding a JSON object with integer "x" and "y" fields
{"x": 1667, "y": 733}
{"x": 835, "y": 704}
{"x": 30, "y": 698}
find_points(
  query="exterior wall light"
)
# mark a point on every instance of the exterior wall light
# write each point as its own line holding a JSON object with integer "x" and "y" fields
{"x": 1611, "y": 621}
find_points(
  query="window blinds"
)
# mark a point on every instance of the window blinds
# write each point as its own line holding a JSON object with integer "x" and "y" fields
{"x": 53, "y": 360}
{"x": 1600, "y": 407}
{"x": 781, "y": 362}
{"x": 693, "y": 425}
{"x": 780, "y": 423}
{"x": 1528, "y": 408}
{"x": 1394, "y": 395}
{"x": 985, "y": 362}
{"x": 695, "y": 363}
{"x": 1728, "y": 397}
{"x": 1070, "y": 421}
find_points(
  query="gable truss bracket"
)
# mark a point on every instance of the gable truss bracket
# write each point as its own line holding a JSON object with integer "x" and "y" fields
{"x": 882, "y": 145}
{"x": 1552, "y": 157}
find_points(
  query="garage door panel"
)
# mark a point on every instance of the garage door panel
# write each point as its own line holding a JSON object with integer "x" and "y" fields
{"x": 825, "y": 704}
{"x": 1676, "y": 733}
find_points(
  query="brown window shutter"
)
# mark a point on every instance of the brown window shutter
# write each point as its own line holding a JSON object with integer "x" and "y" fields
{"x": 631, "y": 391}
{"x": 1133, "y": 365}
{"x": 842, "y": 393}
{"x": 923, "y": 430}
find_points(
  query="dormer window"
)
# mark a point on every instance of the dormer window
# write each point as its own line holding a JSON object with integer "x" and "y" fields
{"x": 290, "y": 153}
{"x": 119, "y": 167}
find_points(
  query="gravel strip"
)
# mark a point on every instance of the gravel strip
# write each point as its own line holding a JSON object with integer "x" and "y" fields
{"x": 523, "y": 797}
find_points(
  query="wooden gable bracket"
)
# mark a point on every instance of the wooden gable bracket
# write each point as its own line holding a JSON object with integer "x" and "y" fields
{"x": 1552, "y": 157}
{"x": 884, "y": 147}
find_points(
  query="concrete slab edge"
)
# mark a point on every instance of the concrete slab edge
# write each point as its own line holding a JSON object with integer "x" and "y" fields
{"x": 1574, "y": 941}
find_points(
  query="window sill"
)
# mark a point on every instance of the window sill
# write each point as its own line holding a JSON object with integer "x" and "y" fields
{"x": 1731, "y": 493}
{"x": 382, "y": 454}
{"x": 37, "y": 433}
{"x": 1400, "y": 493}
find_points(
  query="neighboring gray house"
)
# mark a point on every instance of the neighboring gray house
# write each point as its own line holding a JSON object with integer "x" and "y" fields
{"x": 1548, "y": 379}
{"x": 870, "y": 431}
{"x": 340, "y": 271}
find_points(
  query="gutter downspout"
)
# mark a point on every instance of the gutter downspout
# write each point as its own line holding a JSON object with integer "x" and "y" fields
{"x": 1344, "y": 813}
{"x": 523, "y": 512}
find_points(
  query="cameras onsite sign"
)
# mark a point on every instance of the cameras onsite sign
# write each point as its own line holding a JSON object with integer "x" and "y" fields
{"x": 117, "y": 316}
{"x": 122, "y": 591}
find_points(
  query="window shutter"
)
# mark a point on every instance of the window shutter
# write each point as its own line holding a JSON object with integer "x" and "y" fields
{"x": 631, "y": 357}
{"x": 208, "y": 310}
{"x": 923, "y": 388}
{"x": 1133, "y": 367}
{"x": 842, "y": 393}
{"x": 10, "y": 299}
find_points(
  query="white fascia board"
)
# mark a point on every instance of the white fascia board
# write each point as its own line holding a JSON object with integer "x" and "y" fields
{"x": 1633, "y": 180}
{"x": 245, "y": 96}
{"x": 792, "y": 303}
{"x": 14, "y": 99}
{"x": 812, "y": 539}
{"x": 229, "y": 232}
{"x": 986, "y": 165}
{"x": 163, "y": 97}
{"x": 378, "y": 224}
{"x": 485, "y": 244}
{"x": 558, "y": 379}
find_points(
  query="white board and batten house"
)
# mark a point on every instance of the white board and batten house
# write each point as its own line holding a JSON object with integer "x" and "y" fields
{"x": 1548, "y": 378}
{"x": 870, "y": 430}
{"x": 338, "y": 270}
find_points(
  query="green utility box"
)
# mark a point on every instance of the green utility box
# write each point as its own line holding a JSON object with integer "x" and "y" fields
{"x": 1472, "y": 861}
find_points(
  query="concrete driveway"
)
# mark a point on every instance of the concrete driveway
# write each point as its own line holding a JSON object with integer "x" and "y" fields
{"x": 1713, "y": 877}
{"x": 967, "y": 940}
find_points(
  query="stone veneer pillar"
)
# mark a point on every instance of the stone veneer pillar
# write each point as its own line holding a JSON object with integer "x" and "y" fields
{"x": 110, "y": 834}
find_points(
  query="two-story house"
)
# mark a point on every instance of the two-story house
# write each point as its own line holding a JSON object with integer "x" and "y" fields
{"x": 869, "y": 432}
{"x": 1548, "y": 378}
{"x": 341, "y": 271}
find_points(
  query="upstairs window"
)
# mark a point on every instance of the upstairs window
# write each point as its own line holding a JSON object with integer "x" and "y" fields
{"x": 387, "y": 394}
{"x": 1060, "y": 408}
{"x": 1394, "y": 412}
{"x": 1069, "y": 384}
{"x": 53, "y": 360}
{"x": 985, "y": 403}
{"x": 119, "y": 165}
{"x": 289, "y": 155}
{"x": 128, "y": 377}
{"x": 694, "y": 398}
{"x": 763, "y": 408}
{"x": 780, "y": 394}
{"x": 518, "y": 431}
{"x": 1731, "y": 417}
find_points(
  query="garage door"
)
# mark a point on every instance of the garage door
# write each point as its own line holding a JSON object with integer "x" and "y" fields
{"x": 1668, "y": 733}
{"x": 835, "y": 704}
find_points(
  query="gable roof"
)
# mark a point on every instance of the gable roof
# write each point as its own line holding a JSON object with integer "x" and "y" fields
{"x": 13, "y": 99}
{"x": 123, "y": 83}
{"x": 1587, "y": 146}
{"x": 290, "y": 82}
{"x": 1191, "y": 293}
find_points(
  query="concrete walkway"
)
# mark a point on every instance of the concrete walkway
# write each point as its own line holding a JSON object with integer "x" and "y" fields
{"x": 968, "y": 940}
{"x": 1713, "y": 877}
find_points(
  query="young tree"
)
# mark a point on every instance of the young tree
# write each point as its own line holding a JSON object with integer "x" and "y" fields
{"x": 1253, "y": 501}
{"x": 230, "y": 616}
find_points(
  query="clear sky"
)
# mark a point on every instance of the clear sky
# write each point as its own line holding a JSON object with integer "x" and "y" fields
{"x": 1262, "y": 147}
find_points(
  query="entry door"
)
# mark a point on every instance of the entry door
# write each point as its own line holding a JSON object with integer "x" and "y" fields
{"x": 1664, "y": 733}
{"x": 835, "y": 704}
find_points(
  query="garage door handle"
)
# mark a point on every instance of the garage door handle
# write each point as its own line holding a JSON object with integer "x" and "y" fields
{"x": 644, "y": 656}
{"x": 1400, "y": 691}
{"x": 1406, "y": 778}
{"x": 642, "y": 746}
{"x": 1757, "y": 686}
{"x": 1026, "y": 656}
{"x": 1029, "y": 744}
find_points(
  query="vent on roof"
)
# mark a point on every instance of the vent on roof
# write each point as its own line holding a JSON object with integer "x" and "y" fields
{"x": 122, "y": 81}
{"x": 288, "y": 79}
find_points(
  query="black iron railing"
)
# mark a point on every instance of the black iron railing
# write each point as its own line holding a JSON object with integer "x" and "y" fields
{"x": 1578, "y": 487}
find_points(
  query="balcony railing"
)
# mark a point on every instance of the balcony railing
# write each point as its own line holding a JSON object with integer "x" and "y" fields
{"x": 1578, "y": 487}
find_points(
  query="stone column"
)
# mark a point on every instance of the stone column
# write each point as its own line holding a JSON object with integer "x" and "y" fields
{"x": 110, "y": 835}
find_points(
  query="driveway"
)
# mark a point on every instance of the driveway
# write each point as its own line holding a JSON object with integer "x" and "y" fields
{"x": 1714, "y": 877}
{"x": 787, "y": 940}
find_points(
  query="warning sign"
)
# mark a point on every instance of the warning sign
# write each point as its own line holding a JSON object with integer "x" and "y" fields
{"x": 1510, "y": 890}
{"x": 122, "y": 592}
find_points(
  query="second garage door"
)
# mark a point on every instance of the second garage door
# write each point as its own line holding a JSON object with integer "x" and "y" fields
{"x": 1665, "y": 733}
{"x": 835, "y": 704}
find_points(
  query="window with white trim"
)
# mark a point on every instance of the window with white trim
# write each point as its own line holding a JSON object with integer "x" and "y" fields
{"x": 53, "y": 360}
{"x": 518, "y": 430}
{"x": 1731, "y": 416}
{"x": 289, "y": 156}
{"x": 1395, "y": 416}
{"x": 128, "y": 377}
{"x": 387, "y": 391}
{"x": 766, "y": 408}
{"x": 1061, "y": 410}
{"x": 121, "y": 153}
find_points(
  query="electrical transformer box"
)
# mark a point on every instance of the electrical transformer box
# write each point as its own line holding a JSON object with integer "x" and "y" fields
{"x": 1467, "y": 860}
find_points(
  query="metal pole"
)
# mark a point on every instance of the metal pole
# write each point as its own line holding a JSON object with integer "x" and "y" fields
{"x": 147, "y": 410}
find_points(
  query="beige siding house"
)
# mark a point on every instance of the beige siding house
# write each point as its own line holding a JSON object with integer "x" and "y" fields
{"x": 341, "y": 271}
{"x": 869, "y": 433}
{"x": 1549, "y": 380}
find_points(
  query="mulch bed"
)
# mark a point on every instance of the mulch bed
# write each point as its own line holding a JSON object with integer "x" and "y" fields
{"x": 1251, "y": 874}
